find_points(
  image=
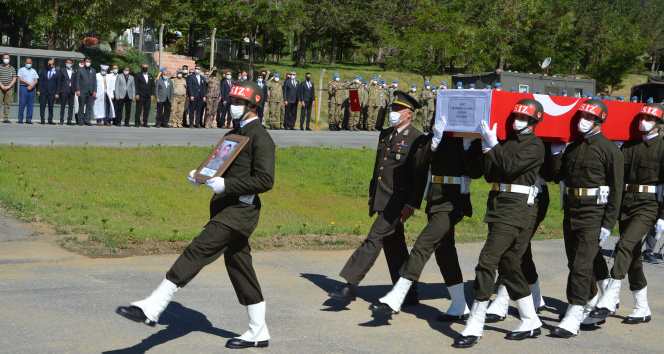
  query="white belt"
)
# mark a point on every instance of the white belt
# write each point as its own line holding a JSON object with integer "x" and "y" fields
{"x": 581, "y": 192}
{"x": 639, "y": 188}
{"x": 511, "y": 188}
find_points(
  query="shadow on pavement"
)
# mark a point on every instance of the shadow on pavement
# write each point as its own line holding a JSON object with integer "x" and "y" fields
{"x": 179, "y": 322}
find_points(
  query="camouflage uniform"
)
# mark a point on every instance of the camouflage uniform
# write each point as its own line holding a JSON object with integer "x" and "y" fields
{"x": 427, "y": 107}
{"x": 365, "y": 106}
{"x": 276, "y": 105}
{"x": 345, "y": 105}
{"x": 374, "y": 105}
{"x": 333, "y": 105}
{"x": 415, "y": 112}
{"x": 179, "y": 99}
{"x": 213, "y": 94}
{"x": 383, "y": 108}
{"x": 355, "y": 116}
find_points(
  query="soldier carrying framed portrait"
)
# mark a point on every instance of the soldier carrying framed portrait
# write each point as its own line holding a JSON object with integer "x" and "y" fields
{"x": 222, "y": 156}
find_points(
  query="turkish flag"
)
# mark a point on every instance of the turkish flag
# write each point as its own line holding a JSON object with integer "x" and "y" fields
{"x": 354, "y": 100}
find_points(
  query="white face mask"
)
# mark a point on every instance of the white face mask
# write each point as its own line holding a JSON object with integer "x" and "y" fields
{"x": 28, "y": 66}
{"x": 180, "y": 75}
{"x": 87, "y": 64}
{"x": 197, "y": 71}
{"x": 244, "y": 77}
{"x": 646, "y": 127}
{"x": 6, "y": 61}
{"x": 260, "y": 79}
{"x": 585, "y": 126}
{"x": 229, "y": 77}
{"x": 103, "y": 73}
{"x": 396, "y": 85}
{"x": 68, "y": 66}
{"x": 336, "y": 79}
{"x": 428, "y": 87}
{"x": 237, "y": 112}
{"x": 394, "y": 119}
{"x": 126, "y": 72}
{"x": 518, "y": 125}
{"x": 276, "y": 79}
{"x": 413, "y": 89}
{"x": 165, "y": 77}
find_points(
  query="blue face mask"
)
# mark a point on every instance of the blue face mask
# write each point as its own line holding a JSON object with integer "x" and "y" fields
{"x": 28, "y": 66}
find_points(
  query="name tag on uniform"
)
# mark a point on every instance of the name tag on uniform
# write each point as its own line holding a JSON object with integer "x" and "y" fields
{"x": 247, "y": 199}
{"x": 398, "y": 157}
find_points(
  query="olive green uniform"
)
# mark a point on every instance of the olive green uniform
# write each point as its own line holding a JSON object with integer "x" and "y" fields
{"x": 374, "y": 105}
{"x": 515, "y": 161}
{"x": 427, "y": 107}
{"x": 446, "y": 206}
{"x": 395, "y": 183}
{"x": 334, "y": 101}
{"x": 179, "y": 99}
{"x": 345, "y": 106}
{"x": 276, "y": 105}
{"x": 233, "y": 217}
{"x": 355, "y": 116}
{"x": 213, "y": 94}
{"x": 587, "y": 163}
{"x": 639, "y": 211}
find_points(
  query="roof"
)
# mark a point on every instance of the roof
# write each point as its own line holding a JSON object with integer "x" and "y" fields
{"x": 28, "y": 52}
{"x": 517, "y": 74}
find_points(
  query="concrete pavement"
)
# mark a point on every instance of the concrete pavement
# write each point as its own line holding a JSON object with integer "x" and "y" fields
{"x": 54, "y": 301}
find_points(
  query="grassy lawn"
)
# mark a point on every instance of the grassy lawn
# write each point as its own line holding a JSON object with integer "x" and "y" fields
{"x": 121, "y": 196}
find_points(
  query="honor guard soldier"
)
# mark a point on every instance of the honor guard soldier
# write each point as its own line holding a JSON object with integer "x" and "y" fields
{"x": 275, "y": 94}
{"x": 512, "y": 167}
{"x": 213, "y": 97}
{"x": 591, "y": 175}
{"x": 234, "y": 212}
{"x": 373, "y": 104}
{"x": 452, "y": 163}
{"x": 354, "y": 119}
{"x": 640, "y": 210}
{"x": 635, "y": 99}
{"x": 333, "y": 106}
{"x": 443, "y": 85}
{"x": 395, "y": 192}
{"x": 427, "y": 106}
{"x": 345, "y": 105}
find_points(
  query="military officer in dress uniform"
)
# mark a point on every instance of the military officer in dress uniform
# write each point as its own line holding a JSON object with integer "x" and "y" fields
{"x": 395, "y": 192}
{"x": 641, "y": 209}
{"x": 512, "y": 167}
{"x": 234, "y": 212}
{"x": 179, "y": 98}
{"x": 591, "y": 169}
{"x": 452, "y": 163}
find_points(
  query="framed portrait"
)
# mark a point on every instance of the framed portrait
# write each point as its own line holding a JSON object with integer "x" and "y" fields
{"x": 221, "y": 157}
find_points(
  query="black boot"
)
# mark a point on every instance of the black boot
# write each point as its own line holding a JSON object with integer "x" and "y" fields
{"x": 135, "y": 314}
{"x": 346, "y": 293}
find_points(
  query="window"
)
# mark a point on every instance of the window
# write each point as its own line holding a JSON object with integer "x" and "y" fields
{"x": 523, "y": 88}
{"x": 578, "y": 92}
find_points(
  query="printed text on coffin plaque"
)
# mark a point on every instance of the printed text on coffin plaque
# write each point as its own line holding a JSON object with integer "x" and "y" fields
{"x": 462, "y": 111}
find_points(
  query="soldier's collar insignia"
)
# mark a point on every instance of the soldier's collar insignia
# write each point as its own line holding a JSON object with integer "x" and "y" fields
{"x": 405, "y": 132}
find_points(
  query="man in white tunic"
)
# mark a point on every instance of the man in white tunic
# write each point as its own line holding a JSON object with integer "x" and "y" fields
{"x": 103, "y": 108}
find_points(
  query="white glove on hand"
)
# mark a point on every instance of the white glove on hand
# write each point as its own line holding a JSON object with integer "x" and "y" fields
{"x": 489, "y": 135}
{"x": 557, "y": 148}
{"x": 604, "y": 234}
{"x": 216, "y": 184}
{"x": 191, "y": 179}
{"x": 659, "y": 229}
{"x": 466, "y": 143}
{"x": 438, "y": 129}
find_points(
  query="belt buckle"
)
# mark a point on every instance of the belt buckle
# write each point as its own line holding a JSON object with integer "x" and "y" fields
{"x": 574, "y": 192}
{"x": 633, "y": 188}
{"x": 495, "y": 187}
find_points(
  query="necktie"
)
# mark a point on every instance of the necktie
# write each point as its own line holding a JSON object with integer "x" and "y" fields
{"x": 49, "y": 74}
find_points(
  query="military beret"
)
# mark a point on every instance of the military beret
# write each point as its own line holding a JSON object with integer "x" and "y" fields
{"x": 366, "y": 82}
{"x": 553, "y": 93}
{"x": 374, "y": 78}
{"x": 497, "y": 84}
{"x": 635, "y": 98}
{"x": 426, "y": 83}
{"x": 336, "y": 76}
{"x": 383, "y": 80}
{"x": 405, "y": 100}
{"x": 564, "y": 91}
{"x": 538, "y": 92}
{"x": 356, "y": 76}
{"x": 650, "y": 100}
{"x": 346, "y": 80}
{"x": 513, "y": 89}
{"x": 414, "y": 85}
{"x": 433, "y": 87}
{"x": 444, "y": 83}
{"x": 459, "y": 83}
{"x": 360, "y": 78}
{"x": 620, "y": 97}
{"x": 160, "y": 70}
{"x": 276, "y": 75}
{"x": 472, "y": 85}
{"x": 395, "y": 81}
{"x": 179, "y": 70}
{"x": 590, "y": 96}
{"x": 488, "y": 86}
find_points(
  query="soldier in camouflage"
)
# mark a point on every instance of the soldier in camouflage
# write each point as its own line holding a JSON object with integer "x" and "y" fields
{"x": 179, "y": 98}
{"x": 374, "y": 104}
{"x": 213, "y": 97}
{"x": 275, "y": 95}
{"x": 345, "y": 105}
{"x": 334, "y": 102}
{"x": 427, "y": 106}
{"x": 355, "y": 116}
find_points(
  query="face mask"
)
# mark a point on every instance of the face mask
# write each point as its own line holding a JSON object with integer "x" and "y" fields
{"x": 49, "y": 66}
{"x": 229, "y": 77}
{"x": 237, "y": 112}
{"x": 293, "y": 77}
{"x": 413, "y": 89}
{"x": 144, "y": 70}
{"x": 428, "y": 87}
{"x": 646, "y": 128}
{"x": 396, "y": 85}
{"x": 519, "y": 126}
{"x": 103, "y": 73}
{"x": 165, "y": 77}
{"x": 308, "y": 79}
{"x": 337, "y": 79}
{"x": 260, "y": 79}
{"x": 115, "y": 71}
{"x": 585, "y": 126}
{"x": 68, "y": 66}
{"x": 180, "y": 75}
{"x": 276, "y": 79}
{"x": 28, "y": 66}
{"x": 126, "y": 72}
{"x": 394, "y": 119}
{"x": 244, "y": 77}
{"x": 6, "y": 61}
{"x": 87, "y": 65}
{"x": 197, "y": 71}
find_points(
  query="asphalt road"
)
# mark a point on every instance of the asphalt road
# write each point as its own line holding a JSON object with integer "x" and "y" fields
{"x": 54, "y": 301}
{"x": 63, "y": 135}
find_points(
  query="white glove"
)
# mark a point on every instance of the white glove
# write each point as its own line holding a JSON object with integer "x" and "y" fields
{"x": 619, "y": 143}
{"x": 659, "y": 229}
{"x": 489, "y": 135}
{"x": 466, "y": 143}
{"x": 557, "y": 148}
{"x": 216, "y": 184}
{"x": 438, "y": 129}
{"x": 191, "y": 179}
{"x": 603, "y": 235}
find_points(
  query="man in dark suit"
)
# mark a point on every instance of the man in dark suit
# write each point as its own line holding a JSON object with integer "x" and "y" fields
{"x": 144, "y": 95}
{"x": 197, "y": 93}
{"x": 67, "y": 91}
{"x": 49, "y": 88}
{"x": 261, "y": 83}
{"x": 87, "y": 92}
{"x": 226, "y": 87}
{"x": 291, "y": 98}
{"x": 307, "y": 99}
{"x": 395, "y": 191}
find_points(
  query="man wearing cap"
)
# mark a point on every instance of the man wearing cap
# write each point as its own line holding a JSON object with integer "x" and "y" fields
{"x": 395, "y": 191}
{"x": 234, "y": 213}
{"x": 373, "y": 104}
{"x": 472, "y": 86}
{"x": 87, "y": 92}
{"x": 427, "y": 106}
{"x": 354, "y": 119}
{"x": 512, "y": 167}
{"x": 443, "y": 85}
{"x": 179, "y": 98}
{"x": 635, "y": 99}
{"x": 213, "y": 97}
{"x": 498, "y": 87}
{"x": 275, "y": 97}
{"x": 592, "y": 171}
{"x": 125, "y": 94}
{"x": 459, "y": 85}
{"x": 513, "y": 89}
{"x": 452, "y": 163}
{"x": 333, "y": 102}
{"x": 620, "y": 98}
{"x": 564, "y": 93}
{"x": 640, "y": 210}
{"x": 104, "y": 109}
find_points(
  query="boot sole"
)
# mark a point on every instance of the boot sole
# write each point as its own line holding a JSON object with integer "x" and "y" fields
{"x": 149, "y": 323}
{"x": 637, "y": 320}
